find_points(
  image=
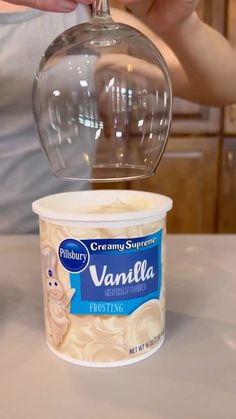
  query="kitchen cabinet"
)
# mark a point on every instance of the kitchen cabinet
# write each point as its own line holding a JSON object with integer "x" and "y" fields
{"x": 227, "y": 190}
{"x": 230, "y": 119}
{"x": 227, "y": 182}
{"x": 188, "y": 174}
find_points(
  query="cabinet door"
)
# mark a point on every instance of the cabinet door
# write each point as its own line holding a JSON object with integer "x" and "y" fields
{"x": 230, "y": 111}
{"x": 190, "y": 117}
{"x": 227, "y": 194}
{"x": 188, "y": 174}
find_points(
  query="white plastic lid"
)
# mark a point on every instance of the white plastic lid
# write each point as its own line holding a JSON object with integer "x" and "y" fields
{"x": 102, "y": 205}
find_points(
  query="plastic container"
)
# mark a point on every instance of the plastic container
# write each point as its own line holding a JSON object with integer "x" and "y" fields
{"x": 103, "y": 269}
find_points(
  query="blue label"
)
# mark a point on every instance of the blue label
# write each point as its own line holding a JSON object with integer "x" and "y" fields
{"x": 73, "y": 255}
{"x": 120, "y": 275}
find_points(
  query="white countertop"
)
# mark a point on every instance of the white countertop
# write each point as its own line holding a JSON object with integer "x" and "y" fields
{"x": 193, "y": 376}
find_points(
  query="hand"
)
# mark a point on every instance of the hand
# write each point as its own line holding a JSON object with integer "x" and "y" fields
{"x": 51, "y": 5}
{"x": 162, "y": 16}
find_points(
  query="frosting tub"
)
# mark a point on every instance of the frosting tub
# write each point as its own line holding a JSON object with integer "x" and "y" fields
{"x": 103, "y": 271}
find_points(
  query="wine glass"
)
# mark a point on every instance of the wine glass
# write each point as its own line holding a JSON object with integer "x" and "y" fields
{"x": 102, "y": 101}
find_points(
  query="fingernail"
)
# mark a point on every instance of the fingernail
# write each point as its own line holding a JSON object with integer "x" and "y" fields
{"x": 65, "y": 5}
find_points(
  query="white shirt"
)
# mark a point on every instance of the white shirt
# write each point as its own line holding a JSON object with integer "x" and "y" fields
{"x": 24, "y": 172}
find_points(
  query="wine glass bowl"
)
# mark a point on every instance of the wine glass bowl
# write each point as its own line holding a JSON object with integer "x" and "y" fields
{"x": 102, "y": 102}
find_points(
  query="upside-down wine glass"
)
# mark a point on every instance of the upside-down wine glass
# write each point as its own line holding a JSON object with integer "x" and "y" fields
{"x": 102, "y": 101}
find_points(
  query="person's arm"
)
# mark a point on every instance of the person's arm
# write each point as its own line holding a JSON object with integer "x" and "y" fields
{"x": 201, "y": 61}
{"x": 50, "y": 5}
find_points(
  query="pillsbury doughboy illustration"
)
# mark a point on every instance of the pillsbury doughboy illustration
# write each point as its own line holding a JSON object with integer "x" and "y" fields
{"x": 56, "y": 296}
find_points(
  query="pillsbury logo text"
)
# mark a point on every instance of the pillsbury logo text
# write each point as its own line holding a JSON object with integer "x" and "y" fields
{"x": 73, "y": 255}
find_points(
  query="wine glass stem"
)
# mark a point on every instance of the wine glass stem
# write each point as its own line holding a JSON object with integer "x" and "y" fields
{"x": 101, "y": 9}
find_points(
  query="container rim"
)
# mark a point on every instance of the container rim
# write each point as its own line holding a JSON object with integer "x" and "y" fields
{"x": 60, "y": 206}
